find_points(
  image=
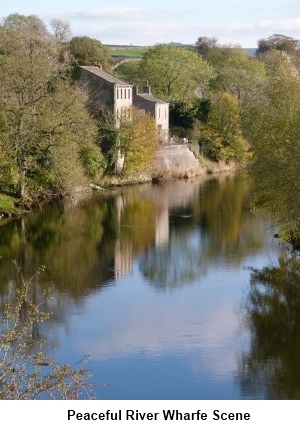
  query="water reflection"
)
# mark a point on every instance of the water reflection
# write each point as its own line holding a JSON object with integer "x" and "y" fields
{"x": 210, "y": 230}
{"x": 147, "y": 277}
{"x": 271, "y": 368}
{"x": 180, "y": 228}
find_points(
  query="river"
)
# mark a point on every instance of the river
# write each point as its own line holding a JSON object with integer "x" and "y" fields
{"x": 163, "y": 284}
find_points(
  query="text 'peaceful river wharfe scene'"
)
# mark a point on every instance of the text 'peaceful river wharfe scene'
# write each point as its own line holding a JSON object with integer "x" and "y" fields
{"x": 149, "y": 206}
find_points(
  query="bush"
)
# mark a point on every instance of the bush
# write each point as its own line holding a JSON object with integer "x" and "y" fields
{"x": 27, "y": 372}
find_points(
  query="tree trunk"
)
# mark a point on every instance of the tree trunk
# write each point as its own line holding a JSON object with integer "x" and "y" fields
{"x": 22, "y": 182}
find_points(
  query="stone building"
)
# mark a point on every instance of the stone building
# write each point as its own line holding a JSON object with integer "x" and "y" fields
{"x": 159, "y": 109}
{"x": 110, "y": 91}
{"x": 119, "y": 96}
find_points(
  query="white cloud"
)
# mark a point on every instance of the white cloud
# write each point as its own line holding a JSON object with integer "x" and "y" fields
{"x": 117, "y": 14}
{"x": 125, "y": 25}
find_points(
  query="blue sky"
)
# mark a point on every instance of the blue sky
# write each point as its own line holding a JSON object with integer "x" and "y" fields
{"x": 154, "y": 21}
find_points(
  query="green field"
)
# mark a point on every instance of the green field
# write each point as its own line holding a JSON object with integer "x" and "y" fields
{"x": 127, "y": 52}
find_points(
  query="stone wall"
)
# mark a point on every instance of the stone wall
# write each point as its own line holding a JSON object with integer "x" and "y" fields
{"x": 176, "y": 161}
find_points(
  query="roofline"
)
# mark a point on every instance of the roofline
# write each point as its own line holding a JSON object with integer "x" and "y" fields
{"x": 155, "y": 101}
{"x": 120, "y": 79}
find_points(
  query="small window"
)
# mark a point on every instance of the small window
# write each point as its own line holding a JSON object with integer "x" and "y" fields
{"x": 129, "y": 93}
{"x": 158, "y": 113}
{"x": 117, "y": 93}
{"x": 121, "y": 93}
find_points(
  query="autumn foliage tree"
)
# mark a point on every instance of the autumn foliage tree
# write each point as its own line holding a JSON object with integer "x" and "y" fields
{"x": 138, "y": 141}
{"x": 43, "y": 120}
{"x": 272, "y": 122}
{"x": 221, "y": 134}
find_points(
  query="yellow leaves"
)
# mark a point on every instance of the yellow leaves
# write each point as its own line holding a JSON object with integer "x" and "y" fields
{"x": 222, "y": 135}
{"x": 139, "y": 141}
{"x": 273, "y": 121}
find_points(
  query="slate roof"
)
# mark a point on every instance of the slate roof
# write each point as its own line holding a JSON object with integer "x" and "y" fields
{"x": 150, "y": 98}
{"x": 105, "y": 75}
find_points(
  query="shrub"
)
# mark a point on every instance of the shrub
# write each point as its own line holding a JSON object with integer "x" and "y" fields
{"x": 27, "y": 372}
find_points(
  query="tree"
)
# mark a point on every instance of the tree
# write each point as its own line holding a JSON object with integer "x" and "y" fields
{"x": 21, "y": 22}
{"x": 235, "y": 71}
{"x": 204, "y": 45}
{"x": 87, "y": 52}
{"x": 138, "y": 141}
{"x": 271, "y": 367}
{"x": 22, "y": 362}
{"x": 174, "y": 72}
{"x": 278, "y": 42}
{"x": 44, "y": 120}
{"x": 182, "y": 115}
{"x": 221, "y": 136}
{"x": 272, "y": 122}
{"x": 61, "y": 30}
{"x": 135, "y": 140}
{"x": 186, "y": 117}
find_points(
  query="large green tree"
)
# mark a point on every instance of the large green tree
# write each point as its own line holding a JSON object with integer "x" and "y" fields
{"x": 235, "y": 71}
{"x": 43, "y": 121}
{"x": 87, "y": 52}
{"x": 272, "y": 121}
{"x": 279, "y": 42}
{"x": 174, "y": 73}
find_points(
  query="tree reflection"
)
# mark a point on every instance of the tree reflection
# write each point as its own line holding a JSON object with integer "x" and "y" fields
{"x": 213, "y": 228}
{"x": 271, "y": 369}
{"x": 81, "y": 246}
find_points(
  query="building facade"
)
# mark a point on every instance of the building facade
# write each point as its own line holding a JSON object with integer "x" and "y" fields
{"x": 120, "y": 96}
{"x": 157, "y": 108}
{"x": 109, "y": 90}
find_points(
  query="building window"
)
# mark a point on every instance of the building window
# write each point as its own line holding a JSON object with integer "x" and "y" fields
{"x": 129, "y": 93}
{"x": 117, "y": 93}
{"x": 158, "y": 113}
{"x": 121, "y": 93}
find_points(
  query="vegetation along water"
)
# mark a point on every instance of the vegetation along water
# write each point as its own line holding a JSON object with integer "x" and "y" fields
{"x": 180, "y": 290}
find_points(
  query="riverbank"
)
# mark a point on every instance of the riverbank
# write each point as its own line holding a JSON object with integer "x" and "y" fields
{"x": 8, "y": 208}
{"x": 171, "y": 162}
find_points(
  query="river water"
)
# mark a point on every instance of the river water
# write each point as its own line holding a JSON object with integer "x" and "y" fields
{"x": 163, "y": 284}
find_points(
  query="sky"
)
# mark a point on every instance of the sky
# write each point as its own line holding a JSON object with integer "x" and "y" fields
{"x": 138, "y": 22}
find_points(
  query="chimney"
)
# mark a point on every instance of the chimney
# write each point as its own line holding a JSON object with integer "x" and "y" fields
{"x": 96, "y": 64}
{"x": 147, "y": 89}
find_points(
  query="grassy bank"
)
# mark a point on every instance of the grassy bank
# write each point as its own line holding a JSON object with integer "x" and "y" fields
{"x": 6, "y": 202}
{"x": 8, "y": 207}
